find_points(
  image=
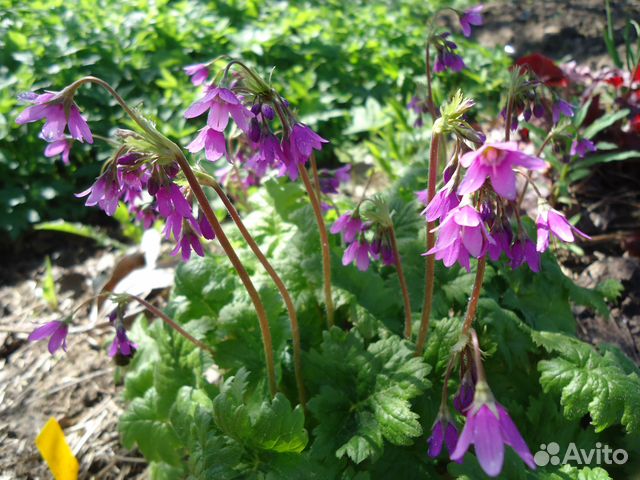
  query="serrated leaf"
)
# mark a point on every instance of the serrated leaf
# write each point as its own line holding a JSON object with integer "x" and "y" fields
{"x": 278, "y": 428}
{"x": 590, "y": 383}
{"x": 141, "y": 424}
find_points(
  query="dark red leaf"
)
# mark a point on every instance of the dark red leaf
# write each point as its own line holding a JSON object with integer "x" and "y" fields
{"x": 545, "y": 69}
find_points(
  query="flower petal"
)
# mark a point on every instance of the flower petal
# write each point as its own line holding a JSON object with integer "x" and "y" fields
{"x": 488, "y": 442}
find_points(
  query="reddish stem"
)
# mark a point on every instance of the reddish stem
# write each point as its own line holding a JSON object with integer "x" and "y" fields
{"x": 403, "y": 283}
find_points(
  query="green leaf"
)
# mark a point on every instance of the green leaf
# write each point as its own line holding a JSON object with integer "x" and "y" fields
{"x": 141, "y": 424}
{"x": 611, "y": 289}
{"x": 604, "y": 122}
{"x": 590, "y": 383}
{"x": 49, "y": 285}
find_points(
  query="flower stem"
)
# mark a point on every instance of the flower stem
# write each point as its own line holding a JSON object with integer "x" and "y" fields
{"x": 477, "y": 355}
{"x": 472, "y": 307}
{"x": 430, "y": 105}
{"x": 324, "y": 243}
{"x": 233, "y": 257}
{"x": 291, "y": 309}
{"x": 431, "y": 240}
{"x": 403, "y": 283}
{"x": 160, "y": 314}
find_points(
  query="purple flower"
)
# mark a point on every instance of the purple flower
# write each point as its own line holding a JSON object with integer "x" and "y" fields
{"x": 220, "y": 103}
{"x": 473, "y": 16}
{"x": 489, "y": 428}
{"x": 443, "y": 431}
{"x": 582, "y": 147}
{"x": 269, "y": 152}
{"x": 198, "y": 73}
{"x": 350, "y": 225}
{"x": 461, "y": 234}
{"x": 380, "y": 248}
{"x": 502, "y": 243}
{"x": 464, "y": 397}
{"x": 330, "y": 180}
{"x": 561, "y": 108}
{"x": 121, "y": 344}
{"x": 56, "y": 331}
{"x": 61, "y": 146}
{"x": 524, "y": 250}
{"x": 51, "y": 107}
{"x": 212, "y": 141}
{"x": 174, "y": 208}
{"x": 496, "y": 161}
{"x": 298, "y": 148}
{"x": 206, "y": 229}
{"x": 448, "y": 60}
{"x": 551, "y": 221}
{"x": 358, "y": 251}
{"x": 442, "y": 203}
{"x": 188, "y": 240}
{"x": 105, "y": 192}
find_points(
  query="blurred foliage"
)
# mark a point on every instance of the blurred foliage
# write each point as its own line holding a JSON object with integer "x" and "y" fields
{"x": 332, "y": 59}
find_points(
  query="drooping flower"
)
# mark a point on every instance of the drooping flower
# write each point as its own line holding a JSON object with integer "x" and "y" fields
{"x": 55, "y": 331}
{"x": 496, "y": 161}
{"x": 380, "y": 248}
{"x": 524, "y": 250}
{"x": 175, "y": 208}
{"x": 51, "y": 107}
{"x": 442, "y": 203}
{"x": 448, "y": 60}
{"x": 349, "y": 224}
{"x": 581, "y": 147}
{"x": 464, "y": 397}
{"x": 189, "y": 240}
{"x": 551, "y": 221}
{"x": 561, "y": 108}
{"x": 220, "y": 103}
{"x": 443, "y": 432}
{"x": 298, "y": 148}
{"x": 473, "y": 16}
{"x": 330, "y": 180}
{"x": 489, "y": 428}
{"x": 121, "y": 344}
{"x": 198, "y": 72}
{"x": 358, "y": 251}
{"x": 212, "y": 141}
{"x": 502, "y": 244}
{"x": 461, "y": 235}
{"x": 105, "y": 192}
{"x": 62, "y": 147}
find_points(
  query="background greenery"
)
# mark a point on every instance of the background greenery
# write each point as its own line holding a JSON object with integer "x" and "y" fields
{"x": 349, "y": 68}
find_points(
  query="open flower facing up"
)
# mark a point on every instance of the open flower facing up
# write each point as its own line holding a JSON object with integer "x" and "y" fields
{"x": 473, "y": 16}
{"x": 220, "y": 103}
{"x": 551, "y": 221}
{"x": 58, "y": 115}
{"x": 55, "y": 331}
{"x": 121, "y": 344}
{"x": 489, "y": 428}
{"x": 212, "y": 141}
{"x": 461, "y": 235}
{"x": 198, "y": 73}
{"x": 443, "y": 432}
{"x": 496, "y": 161}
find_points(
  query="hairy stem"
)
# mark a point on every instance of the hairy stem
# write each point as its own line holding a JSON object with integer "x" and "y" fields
{"x": 431, "y": 240}
{"x": 233, "y": 257}
{"x": 291, "y": 309}
{"x": 403, "y": 283}
{"x": 165, "y": 318}
{"x": 472, "y": 307}
{"x": 324, "y": 242}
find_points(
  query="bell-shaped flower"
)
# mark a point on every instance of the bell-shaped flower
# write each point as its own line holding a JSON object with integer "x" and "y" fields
{"x": 121, "y": 344}
{"x": 358, "y": 251}
{"x": 61, "y": 146}
{"x": 212, "y": 141}
{"x": 444, "y": 432}
{"x": 220, "y": 103}
{"x": 350, "y": 225}
{"x": 198, "y": 73}
{"x": 105, "y": 192}
{"x": 496, "y": 161}
{"x": 55, "y": 331}
{"x": 472, "y": 16}
{"x": 551, "y": 221}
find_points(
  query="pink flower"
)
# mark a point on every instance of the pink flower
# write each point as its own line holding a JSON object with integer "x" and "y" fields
{"x": 524, "y": 250}
{"x": 442, "y": 203}
{"x": 502, "y": 238}
{"x": 51, "y": 107}
{"x": 220, "y": 103}
{"x": 489, "y": 428}
{"x": 461, "y": 235}
{"x": 473, "y": 16}
{"x": 55, "y": 331}
{"x": 62, "y": 147}
{"x": 349, "y": 225}
{"x": 496, "y": 161}
{"x": 298, "y": 148}
{"x": 551, "y": 221}
{"x": 198, "y": 73}
{"x": 443, "y": 432}
{"x": 212, "y": 141}
{"x": 358, "y": 251}
{"x": 188, "y": 240}
{"x": 105, "y": 192}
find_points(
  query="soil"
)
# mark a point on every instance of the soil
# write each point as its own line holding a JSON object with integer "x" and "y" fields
{"x": 80, "y": 388}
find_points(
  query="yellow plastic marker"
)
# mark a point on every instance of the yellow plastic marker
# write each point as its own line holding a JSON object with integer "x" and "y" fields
{"x": 56, "y": 452}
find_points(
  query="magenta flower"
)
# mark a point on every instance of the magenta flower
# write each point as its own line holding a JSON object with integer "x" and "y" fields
{"x": 188, "y": 240}
{"x": 489, "y": 428}
{"x": 502, "y": 238}
{"x": 298, "y": 148}
{"x": 51, "y": 107}
{"x": 55, "y": 331}
{"x": 381, "y": 249}
{"x": 442, "y": 203}
{"x": 496, "y": 161}
{"x": 61, "y": 147}
{"x": 121, "y": 344}
{"x": 561, "y": 108}
{"x": 551, "y": 221}
{"x": 461, "y": 234}
{"x": 350, "y": 225}
{"x": 464, "y": 397}
{"x": 330, "y": 180}
{"x": 473, "y": 16}
{"x": 581, "y": 147}
{"x": 524, "y": 250}
{"x": 105, "y": 192}
{"x": 198, "y": 73}
{"x": 358, "y": 251}
{"x": 206, "y": 229}
{"x": 220, "y": 103}
{"x": 443, "y": 432}
{"x": 174, "y": 208}
{"x": 212, "y": 141}
{"x": 448, "y": 60}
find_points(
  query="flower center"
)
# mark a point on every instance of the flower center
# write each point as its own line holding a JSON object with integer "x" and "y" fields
{"x": 492, "y": 156}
